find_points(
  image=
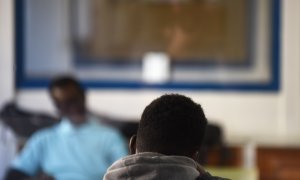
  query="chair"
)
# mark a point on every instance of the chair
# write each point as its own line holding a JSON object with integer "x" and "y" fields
{"x": 234, "y": 173}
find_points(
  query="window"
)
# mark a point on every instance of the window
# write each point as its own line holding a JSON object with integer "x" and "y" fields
{"x": 211, "y": 44}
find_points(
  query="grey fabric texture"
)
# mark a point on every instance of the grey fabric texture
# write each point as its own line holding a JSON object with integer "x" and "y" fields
{"x": 153, "y": 166}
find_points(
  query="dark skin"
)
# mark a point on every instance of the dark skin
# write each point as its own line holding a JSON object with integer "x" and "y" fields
{"x": 133, "y": 148}
{"x": 70, "y": 103}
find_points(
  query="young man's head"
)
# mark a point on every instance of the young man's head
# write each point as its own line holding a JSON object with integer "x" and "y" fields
{"x": 69, "y": 98}
{"x": 172, "y": 125}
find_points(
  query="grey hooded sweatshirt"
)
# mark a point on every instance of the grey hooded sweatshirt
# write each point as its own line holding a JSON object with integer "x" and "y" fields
{"x": 150, "y": 166}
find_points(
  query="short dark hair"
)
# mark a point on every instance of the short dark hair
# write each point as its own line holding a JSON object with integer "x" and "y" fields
{"x": 172, "y": 124}
{"x": 64, "y": 81}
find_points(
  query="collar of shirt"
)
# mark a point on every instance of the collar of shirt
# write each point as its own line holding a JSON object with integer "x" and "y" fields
{"x": 66, "y": 127}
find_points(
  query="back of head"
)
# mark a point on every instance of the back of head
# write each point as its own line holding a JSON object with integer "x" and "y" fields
{"x": 172, "y": 125}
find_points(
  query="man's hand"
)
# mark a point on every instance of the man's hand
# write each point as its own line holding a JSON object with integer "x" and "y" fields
{"x": 44, "y": 176}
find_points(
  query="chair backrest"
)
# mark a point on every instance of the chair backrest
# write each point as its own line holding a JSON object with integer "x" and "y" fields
{"x": 234, "y": 173}
{"x": 213, "y": 142}
{"x": 24, "y": 123}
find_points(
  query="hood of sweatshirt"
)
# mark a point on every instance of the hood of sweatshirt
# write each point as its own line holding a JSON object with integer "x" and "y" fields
{"x": 153, "y": 166}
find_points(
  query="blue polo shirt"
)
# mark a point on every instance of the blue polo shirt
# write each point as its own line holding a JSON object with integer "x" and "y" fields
{"x": 68, "y": 152}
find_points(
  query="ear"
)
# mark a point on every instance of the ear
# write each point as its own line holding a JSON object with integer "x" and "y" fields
{"x": 132, "y": 144}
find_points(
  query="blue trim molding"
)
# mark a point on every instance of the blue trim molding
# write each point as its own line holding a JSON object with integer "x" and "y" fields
{"x": 22, "y": 81}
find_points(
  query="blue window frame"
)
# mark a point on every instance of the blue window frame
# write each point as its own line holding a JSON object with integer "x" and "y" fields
{"x": 273, "y": 83}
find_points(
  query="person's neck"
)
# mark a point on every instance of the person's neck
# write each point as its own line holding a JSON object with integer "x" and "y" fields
{"x": 79, "y": 120}
{"x": 77, "y": 124}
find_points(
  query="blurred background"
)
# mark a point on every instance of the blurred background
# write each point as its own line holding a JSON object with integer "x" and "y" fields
{"x": 238, "y": 58}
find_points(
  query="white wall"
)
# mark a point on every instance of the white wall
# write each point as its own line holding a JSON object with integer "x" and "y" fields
{"x": 290, "y": 97}
{"x": 268, "y": 118}
{"x": 6, "y": 52}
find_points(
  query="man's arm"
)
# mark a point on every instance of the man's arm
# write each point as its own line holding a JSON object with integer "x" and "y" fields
{"x": 14, "y": 174}
{"x": 28, "y": 162}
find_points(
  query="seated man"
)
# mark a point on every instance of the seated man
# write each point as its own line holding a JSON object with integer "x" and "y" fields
{"x": 77, "y": 148}
{"x": 167, "y": 144}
